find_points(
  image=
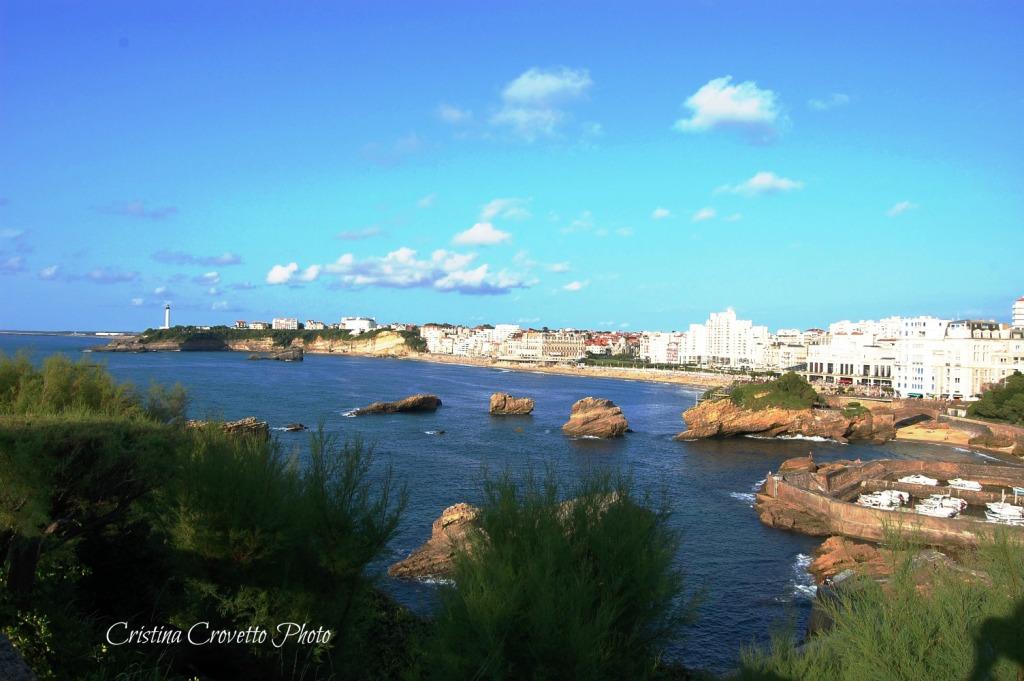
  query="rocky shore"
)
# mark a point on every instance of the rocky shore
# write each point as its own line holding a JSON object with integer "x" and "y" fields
{"x": 723, "y": 418}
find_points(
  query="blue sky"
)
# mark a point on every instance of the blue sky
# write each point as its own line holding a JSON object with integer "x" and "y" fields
{"x": 581, "y": 165}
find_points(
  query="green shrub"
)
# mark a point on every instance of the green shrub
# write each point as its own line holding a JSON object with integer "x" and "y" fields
{"x": 585, "y": 589}
{"x": 963, "y": 625}
{"x": 790, "y": 391}
{"x": 1002, "y": 403}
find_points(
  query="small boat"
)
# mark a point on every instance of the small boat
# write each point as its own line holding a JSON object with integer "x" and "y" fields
{"x": 936, "y": 511}
{"x": 941, "y": 506}
{"x": 917, "y": 479}
{"x": 960, "y": 483}
{"x": 1003, "y": 512}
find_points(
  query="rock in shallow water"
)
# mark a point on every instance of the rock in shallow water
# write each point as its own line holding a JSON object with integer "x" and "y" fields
{"x": 413, "y": 403}
{"x": 503, "y": 404}
{"x": 596, "y": 417}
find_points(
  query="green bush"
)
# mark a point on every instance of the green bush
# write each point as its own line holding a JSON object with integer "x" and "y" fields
{"x": 585, "y": 589}
{"x": 962, "y": 625}
{"x": 790, "y": 391}
{"x": 1002, "y": 403}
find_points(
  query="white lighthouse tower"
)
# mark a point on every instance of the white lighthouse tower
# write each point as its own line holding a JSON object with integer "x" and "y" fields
{"x": 167, "y": 316}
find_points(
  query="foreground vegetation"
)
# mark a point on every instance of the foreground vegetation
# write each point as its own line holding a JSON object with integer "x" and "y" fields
{"x": 112, "y": 511}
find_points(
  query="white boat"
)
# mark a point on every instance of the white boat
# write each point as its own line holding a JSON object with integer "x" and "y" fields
{"x": 936, "y": 510}
{"x": 886, "y": 499}
{"x": 917, "y": 479}
{"x": 960, "y": 483}
{"x": 1003, "y": 512}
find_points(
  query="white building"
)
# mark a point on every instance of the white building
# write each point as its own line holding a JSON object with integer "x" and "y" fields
{"x": 1018, "y": 313}
{"x": 358, "y": 325}
{"x": 285, "y": 323}
{"x": 955, "y": 359}
{"x": 260, "y": 326}
{"x": 314, "y": 325}
{"x": 735, "y": 342}
{"x": 853, "y": 359}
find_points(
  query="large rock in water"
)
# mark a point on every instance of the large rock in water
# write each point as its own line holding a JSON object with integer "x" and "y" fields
{"x": 503, "y": 404}
{"x": 250, "y": 425}
{"x": 413, "y": 403}
{"x": 723, "y": 418}
{"x": 434, "y": 558}
{"x": 595, "y": 417}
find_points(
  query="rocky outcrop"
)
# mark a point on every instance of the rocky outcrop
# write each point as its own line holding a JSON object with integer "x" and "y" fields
{"x": 595, "y": 417}
{"x": 292, "y": 354}
{"x": 295, "y": 428}
{"x": 837, "y": 554}
{"x": 434, "y": 558}
{"x": 723, "y": 418}
{"x": 250, "y": 425}
{"x": 384, "y": 344}
{"x": 503, "y": 404}
{"x": 411, "y": 404}
{"x": 786, "y": 516}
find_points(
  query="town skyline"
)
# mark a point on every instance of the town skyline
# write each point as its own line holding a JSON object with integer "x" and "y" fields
{"x": 562, "y": 178}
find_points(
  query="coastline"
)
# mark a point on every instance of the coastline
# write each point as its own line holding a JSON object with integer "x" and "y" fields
{"x": 691, "y": 379}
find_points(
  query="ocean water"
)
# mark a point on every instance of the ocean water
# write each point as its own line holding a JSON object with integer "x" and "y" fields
{"x": 751, "y": 576}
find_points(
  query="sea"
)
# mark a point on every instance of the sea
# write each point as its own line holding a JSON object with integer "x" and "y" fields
{"x": 751, "y": 578}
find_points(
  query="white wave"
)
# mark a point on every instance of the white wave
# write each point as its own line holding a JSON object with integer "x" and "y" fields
{"x": 986, "y": 456}
{"x": 747, "y": 497}
{"x": 961, "y": 449}
{"x": 586, "y": 437}
{"x": 804, "y": 585}
{"x": 432, "y": 432}
{"x": 808, "y": 438}
{"x": 757, "y": 485}
{"x": 435, "y": 581}
{"x": 351, "y": 413}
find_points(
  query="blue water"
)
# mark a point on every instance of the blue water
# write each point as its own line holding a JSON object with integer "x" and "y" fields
{"x": 752, "y": 576}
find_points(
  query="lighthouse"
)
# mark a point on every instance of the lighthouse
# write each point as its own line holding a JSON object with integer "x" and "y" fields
{"x": 167, "y": 316}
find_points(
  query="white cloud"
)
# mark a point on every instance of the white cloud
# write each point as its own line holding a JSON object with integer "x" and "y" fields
{"x": 557, "y": 267}
{"x": 624, "y": 231}
{"x": 481, "y": 234}
{"x": 584, "y": 223}
{"x": 137, "y": 302}
{"x": 575, "y": 286}
{"x": 445, "y": 271}
{"x": 12, "y": 265}
{"x": 282, "y": 274}
{"x": 537, "y": 86}
{"x": 310, "y": 273}
{"x": 836, "y": 99}
{"x": 208, "y": 278}
{"x": 219, "y": 305}
{"x": 427, "y": 201}
{"x": 734, "y": 217}
{"x": 762, "y": 182}
{"x": 453, "y": 114}
{"x": 359, "y": 234}
{"x": 703, "y": 214}
{"x": 160, "y": 290}
{"x": 49, "y": 272}
{"x": 533, "y": 104}
{"x": 900, "y": 208}
{"x": 743, "y": 106}
{"x": 510, "y": 208}
{"x": 660, "y": 213}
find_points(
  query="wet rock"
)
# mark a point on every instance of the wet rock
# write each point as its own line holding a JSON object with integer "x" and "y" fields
{"x": 595, "y": 417}
{"x": 503, "y": 404}
{"x": 294, "y": 428}
{"x": 411, "y": 404}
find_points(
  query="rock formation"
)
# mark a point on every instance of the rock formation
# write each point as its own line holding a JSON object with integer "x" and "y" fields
{"x": 250, "y": 425}
{"x": 723, "y": 418}
{"x": 291, "y": 354}
{"x": 595, "y": 417}
{"x": 503, "y": 404}
{"x": 837, "y": 554}
{"x": 435, "y": 557}
{"x": 413, "y": 403}
{"x": 295, "y": 427}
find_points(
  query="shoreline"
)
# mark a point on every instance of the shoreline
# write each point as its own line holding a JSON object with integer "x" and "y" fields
{"x": 692, "y": 380}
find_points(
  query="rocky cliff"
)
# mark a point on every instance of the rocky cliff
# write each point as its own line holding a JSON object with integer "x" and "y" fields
{"x": 412, "y": 404}
{"x": 723, "y": 418}
{"x": 384, "y": 344}
{"x": 435, "y": 557}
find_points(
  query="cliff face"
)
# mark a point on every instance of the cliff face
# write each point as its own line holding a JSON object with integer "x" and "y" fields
{"x": 722, "y": 418}
{"x": 385, "y": 344}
